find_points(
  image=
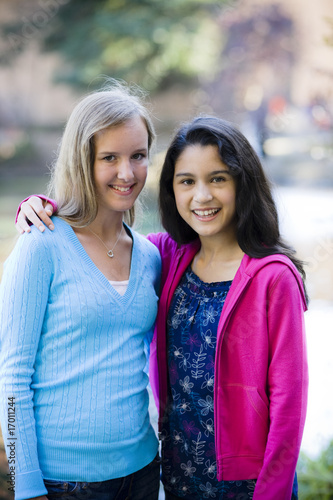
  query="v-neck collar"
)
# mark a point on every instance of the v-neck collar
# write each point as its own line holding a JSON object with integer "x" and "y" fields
{"x": 130, "y": 293}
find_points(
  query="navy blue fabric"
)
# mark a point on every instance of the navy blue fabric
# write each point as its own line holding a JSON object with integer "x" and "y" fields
{"x": 141, "y": 485}
{"x": 188, "y": 448}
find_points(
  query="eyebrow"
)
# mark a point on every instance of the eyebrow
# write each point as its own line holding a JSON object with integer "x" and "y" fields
{"x": 139, "y": 150}
{"x": 215, "y": 172}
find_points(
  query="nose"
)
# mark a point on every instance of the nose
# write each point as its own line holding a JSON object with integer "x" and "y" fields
{"x": 125, "y": 170}
{"x": 202, "y": 193}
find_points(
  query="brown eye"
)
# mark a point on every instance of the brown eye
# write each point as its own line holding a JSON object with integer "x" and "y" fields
{"x": 139, "y": 156}
{"x": 109, "y": 158}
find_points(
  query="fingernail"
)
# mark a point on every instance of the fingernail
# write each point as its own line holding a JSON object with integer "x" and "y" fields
{"x": 51, "y": 226}
{"x": 41, "y": 228}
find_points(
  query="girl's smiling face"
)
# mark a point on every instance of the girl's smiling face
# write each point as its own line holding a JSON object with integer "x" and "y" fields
{"x": 205, "y": 192}
{"x": 121, "y": 164}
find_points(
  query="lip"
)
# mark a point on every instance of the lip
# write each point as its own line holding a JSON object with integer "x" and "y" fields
{"x": 199, "y": 213}
{"x": 122, "y": 190}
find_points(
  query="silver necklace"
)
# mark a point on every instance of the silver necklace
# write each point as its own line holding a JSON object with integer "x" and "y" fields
{"x": 110, "y": 252}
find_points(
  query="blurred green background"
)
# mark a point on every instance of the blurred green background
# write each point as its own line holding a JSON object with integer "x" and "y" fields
{"x": 263, "y": 64}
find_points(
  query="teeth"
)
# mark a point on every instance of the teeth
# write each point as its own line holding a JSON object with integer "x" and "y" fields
{"x": 122, "y": 189}
{"x": 206, "y": 212}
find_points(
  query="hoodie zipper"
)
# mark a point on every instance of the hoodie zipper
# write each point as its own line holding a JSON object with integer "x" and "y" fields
{"x": 218, "y": 356}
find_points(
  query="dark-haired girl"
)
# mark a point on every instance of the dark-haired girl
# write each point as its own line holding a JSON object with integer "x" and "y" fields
{"x": 228, "y": 363}
{"x": 230, "y": 339}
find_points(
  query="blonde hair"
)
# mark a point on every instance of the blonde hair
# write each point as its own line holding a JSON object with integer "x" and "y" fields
{"x": 72, "y": 181}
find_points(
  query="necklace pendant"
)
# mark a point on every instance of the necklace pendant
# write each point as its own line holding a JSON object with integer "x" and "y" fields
{"x": 110, "y": 252}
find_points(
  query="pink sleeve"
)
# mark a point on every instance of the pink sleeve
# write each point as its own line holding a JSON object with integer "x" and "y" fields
{"x": 288, "y": 388}
{"x": 153, "y": 370}
{"x": 42, "y": 197}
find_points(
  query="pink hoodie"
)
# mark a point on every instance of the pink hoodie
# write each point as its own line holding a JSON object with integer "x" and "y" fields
{"x": 261, "y": 375}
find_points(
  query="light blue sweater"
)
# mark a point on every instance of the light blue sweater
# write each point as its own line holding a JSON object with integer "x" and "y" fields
{"x": 72, "y": 355}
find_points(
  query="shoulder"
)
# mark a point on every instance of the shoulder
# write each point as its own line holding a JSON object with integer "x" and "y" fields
{"x": 30, "y": 243}
{"x": 60, "y": 229}
{"x": 146, "y": 247}
{"x": 36, "y": 243}
{"x": 275, "y": 272}
{"x": 170, "y": 249}
{"x": 271, "y": 265}
{"x": 163, "y": 242}
{"x": 29, "y": 254}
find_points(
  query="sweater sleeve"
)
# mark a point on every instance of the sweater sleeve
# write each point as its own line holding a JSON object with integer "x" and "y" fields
{"x": 23, "y": 299}
{"x": 287, "y": 388}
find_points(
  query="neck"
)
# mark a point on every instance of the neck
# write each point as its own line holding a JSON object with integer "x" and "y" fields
{"x": 218, "y": 259}
{"x": 220, "y": 248}
{"x": 107, "y": 227}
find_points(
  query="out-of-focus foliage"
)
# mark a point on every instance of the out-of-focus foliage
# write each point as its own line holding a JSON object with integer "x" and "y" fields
{"x": 329, "y": 38}
{"x": 316, "y": 476}
{"x": 260, "y": 45}
{"x": 151, "y": 42}
{"x": 16, "y": 148}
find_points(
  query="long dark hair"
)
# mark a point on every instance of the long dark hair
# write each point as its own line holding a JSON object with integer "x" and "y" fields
{"x": 257, "y": 224}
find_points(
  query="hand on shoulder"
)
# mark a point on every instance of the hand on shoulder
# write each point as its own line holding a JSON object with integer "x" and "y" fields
{"x": 36, "y": 211}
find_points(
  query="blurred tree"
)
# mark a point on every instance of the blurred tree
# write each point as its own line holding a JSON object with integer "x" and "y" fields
{"x": 258, "y": 55}
{"x": 316, "y": 476}
{"x": 329, "y": 38}
{"x": 152, "y": 42}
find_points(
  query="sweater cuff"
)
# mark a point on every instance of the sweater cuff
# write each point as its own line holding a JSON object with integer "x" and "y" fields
{"x": 29, "y": 485}
{"x": 42, "y": 197}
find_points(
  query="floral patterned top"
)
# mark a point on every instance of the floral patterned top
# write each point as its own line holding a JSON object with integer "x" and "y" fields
{"x": 188, "y": 448}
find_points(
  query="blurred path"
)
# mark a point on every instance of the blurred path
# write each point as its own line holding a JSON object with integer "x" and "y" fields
{"x": 307, "y": 222}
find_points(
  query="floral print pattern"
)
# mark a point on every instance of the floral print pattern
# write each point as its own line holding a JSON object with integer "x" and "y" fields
{"x": 189, "y": 468}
